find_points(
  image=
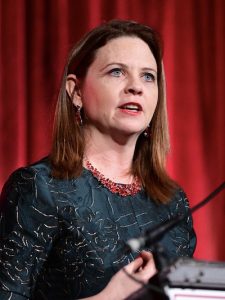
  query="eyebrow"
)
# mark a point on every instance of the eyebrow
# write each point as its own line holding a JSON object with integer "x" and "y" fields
{"x": 126, "y": 67}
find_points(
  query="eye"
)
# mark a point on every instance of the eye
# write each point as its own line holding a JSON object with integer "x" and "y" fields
{"x": 149, "y": 77}
{"x": 117, "y": 72}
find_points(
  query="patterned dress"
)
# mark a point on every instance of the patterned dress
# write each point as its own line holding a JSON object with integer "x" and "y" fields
{"x": 65, "y": 239}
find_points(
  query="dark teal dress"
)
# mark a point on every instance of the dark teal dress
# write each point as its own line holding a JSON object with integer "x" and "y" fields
{"x": 64, "y": 239}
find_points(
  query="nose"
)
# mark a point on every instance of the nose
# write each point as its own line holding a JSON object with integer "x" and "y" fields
{"x": 133, "y": 87}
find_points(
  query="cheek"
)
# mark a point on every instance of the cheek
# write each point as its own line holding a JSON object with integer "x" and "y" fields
{"x": 94, "y": 103}
{"x": 153, "y": 99}
{"x": 89, "y": 95}
{"x": 152, "y": 103}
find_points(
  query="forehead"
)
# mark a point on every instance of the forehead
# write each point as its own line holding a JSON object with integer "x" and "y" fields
{"x": 127, "y": 50}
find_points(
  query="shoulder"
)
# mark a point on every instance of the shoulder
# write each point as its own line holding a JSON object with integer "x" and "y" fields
{"x": 27, "y": 203}
{"x": 34, "y": 184}
{"x": 41, "y": 168}
{"x": 179, "y": 203}
{"x": 179, "y": 206}
{"x": 24, "y": 181}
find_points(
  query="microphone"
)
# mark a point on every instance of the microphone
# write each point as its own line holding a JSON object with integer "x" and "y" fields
{"x": 153, "y": 235}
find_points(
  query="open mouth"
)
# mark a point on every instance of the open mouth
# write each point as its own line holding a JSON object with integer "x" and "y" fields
{"x": 131, "y": 107}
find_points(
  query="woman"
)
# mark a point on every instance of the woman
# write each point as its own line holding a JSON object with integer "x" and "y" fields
{"x": 66, "y": 218}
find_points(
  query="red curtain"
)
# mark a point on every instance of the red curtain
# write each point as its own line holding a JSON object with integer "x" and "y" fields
{"x": 35, "y": 38}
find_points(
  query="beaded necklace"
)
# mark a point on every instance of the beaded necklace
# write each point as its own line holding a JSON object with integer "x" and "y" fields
{"x": 118, "y": 188}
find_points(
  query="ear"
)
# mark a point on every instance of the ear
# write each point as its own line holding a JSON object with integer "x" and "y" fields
{"x": 73, "y": 89}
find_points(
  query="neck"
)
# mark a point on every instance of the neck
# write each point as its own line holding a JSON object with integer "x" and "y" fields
{"x": 112, "y": 159}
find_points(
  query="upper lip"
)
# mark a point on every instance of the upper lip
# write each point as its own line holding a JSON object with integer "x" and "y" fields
{"x": 132, "y": 103}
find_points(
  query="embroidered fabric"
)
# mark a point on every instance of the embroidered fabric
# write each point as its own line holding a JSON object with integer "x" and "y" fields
{"x": 64, "y": 239}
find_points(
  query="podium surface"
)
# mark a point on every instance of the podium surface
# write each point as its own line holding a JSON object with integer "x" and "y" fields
{"x": 195, "y": 280}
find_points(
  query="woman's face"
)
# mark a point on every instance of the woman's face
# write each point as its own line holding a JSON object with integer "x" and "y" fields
{"x": 119, "y": 93}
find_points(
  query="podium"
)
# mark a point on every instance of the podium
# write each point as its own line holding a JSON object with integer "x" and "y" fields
{"x": 195, "y": 280}
{"x": 186, "y": 279}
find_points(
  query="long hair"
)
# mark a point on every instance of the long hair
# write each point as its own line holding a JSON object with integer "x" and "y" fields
{"x": 68, "y": 137}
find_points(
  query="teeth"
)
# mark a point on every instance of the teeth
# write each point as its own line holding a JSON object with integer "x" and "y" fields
{"x": 131, "y": 107}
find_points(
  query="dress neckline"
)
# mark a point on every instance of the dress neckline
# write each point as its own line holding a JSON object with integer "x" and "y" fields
{"x": 122, "y": 189}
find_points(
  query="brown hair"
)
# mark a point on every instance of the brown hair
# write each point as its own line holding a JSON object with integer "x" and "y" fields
{"x": 68, "y": 139}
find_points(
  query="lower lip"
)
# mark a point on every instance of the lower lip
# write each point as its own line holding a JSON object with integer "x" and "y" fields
{"x": 130, "y": 112}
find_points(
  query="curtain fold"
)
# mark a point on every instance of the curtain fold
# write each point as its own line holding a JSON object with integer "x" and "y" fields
{"x": 35, "y": 38}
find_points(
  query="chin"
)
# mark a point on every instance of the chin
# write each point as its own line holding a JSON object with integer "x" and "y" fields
{"x": 129, "y": 133}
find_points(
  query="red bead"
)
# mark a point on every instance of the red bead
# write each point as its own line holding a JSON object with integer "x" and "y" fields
{"x": 121, "y": 189}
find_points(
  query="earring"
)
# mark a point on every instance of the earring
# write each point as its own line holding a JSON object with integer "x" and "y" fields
{"x": 147, "y": 132}
{"x": 78, "y": 115}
